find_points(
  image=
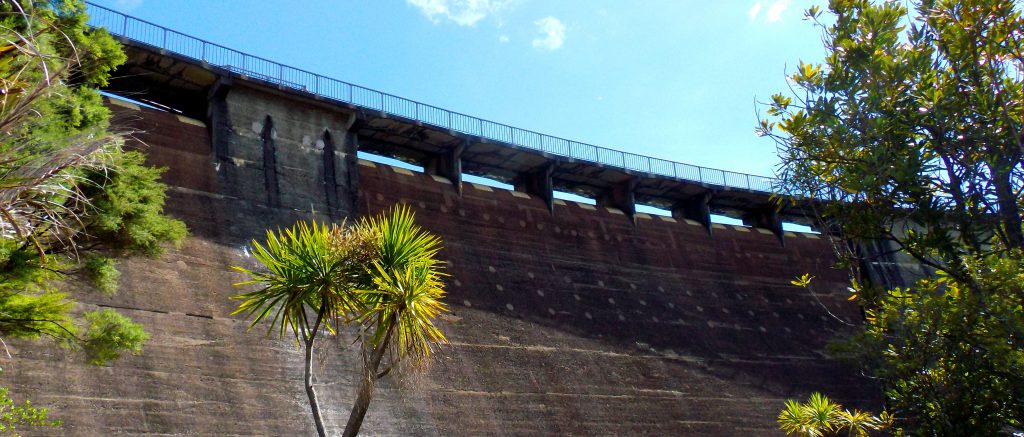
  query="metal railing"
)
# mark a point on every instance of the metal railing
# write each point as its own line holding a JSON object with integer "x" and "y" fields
{"x": 160, "y": 37}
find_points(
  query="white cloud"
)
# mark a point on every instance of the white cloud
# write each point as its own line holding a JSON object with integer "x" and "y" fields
{"x": 127, "y": 5}
{"x": 773, "y": 10}
{"x": 503, "y": 38}
{"x": 462, "y": 12}
{"x": 776, "y": 9}
{"x": 754, "y": 10}
{"x": 552, "y": 34}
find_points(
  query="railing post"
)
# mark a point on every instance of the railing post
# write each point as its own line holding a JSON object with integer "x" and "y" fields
{"x": 449, "y": 119}
{"x": 350, "y": 87}
{"x": 124, "y": 26}
{"x": 700, "y": 174}
{"x": 202, "y": 51}
{"x": 481, "y": 124}
{"x": 164, "y": 44}
{"x": 748, "y": 182}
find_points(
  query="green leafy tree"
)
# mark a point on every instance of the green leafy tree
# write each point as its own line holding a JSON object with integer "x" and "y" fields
{"x": 380, "y": 274}
{"x": 24, "y": 416}
{"x": 911, "y": 130}
{"x": 70, "y": 197}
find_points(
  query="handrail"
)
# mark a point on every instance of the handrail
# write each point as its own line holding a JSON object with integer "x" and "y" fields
{"x": 148, "y": 33}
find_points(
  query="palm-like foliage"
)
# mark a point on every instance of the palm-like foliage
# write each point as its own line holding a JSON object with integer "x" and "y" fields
{"x": 304, "y": 271}
{"x": 820, "y": 417}
{"x": 406, "y": 301}
{"x": 381, "y": 273}
{"x": 406, "y": 291}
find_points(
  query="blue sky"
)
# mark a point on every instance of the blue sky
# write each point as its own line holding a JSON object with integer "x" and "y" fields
{"x": 673, "y": 79}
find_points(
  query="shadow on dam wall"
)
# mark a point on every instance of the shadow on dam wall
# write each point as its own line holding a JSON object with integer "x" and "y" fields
{"x": 577, "y": 322}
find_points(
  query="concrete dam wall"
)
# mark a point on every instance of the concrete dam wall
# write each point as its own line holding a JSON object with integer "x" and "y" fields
{"x": 567, "y": 318}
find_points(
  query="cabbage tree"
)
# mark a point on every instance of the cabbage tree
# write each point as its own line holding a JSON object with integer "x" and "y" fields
{"x": 381, "y": 274}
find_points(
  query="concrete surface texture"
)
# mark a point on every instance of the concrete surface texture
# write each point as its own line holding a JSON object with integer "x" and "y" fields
{"x": 572, "y": 323}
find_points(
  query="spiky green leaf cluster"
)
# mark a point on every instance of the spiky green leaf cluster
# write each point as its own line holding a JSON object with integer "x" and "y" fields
{"x": 407, "y": 289}
{"x": 820, "y": 417}
{"x": 381, "y": 272}
{"x": 302, "y": 269}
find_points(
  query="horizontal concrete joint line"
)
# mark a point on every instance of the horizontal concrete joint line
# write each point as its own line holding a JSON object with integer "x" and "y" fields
{"x": 200, "y": 193}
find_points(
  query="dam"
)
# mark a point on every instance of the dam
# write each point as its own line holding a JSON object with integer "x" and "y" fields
{"x": 567, "y": 318}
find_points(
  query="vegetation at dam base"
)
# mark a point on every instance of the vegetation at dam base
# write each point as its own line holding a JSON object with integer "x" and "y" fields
{"x": 912, "y": 128}
{"x": 380, "y": 274}
{"x": 71, "y": 198}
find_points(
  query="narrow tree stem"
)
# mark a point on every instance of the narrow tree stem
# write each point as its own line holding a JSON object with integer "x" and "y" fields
{"x": 362, "y": 404}
{"x": 314, "y": 404}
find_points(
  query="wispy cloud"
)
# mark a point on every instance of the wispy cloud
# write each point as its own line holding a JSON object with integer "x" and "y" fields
{"x": 754, "y": 10}
{"x": 462, "y": 12}
{"x": 127, "y": 5}
{"x": 552, "y": 34}
{"x": 773, "y": 10}
{"x": 776, "y": 9}
{"x": 503, "y": 38}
